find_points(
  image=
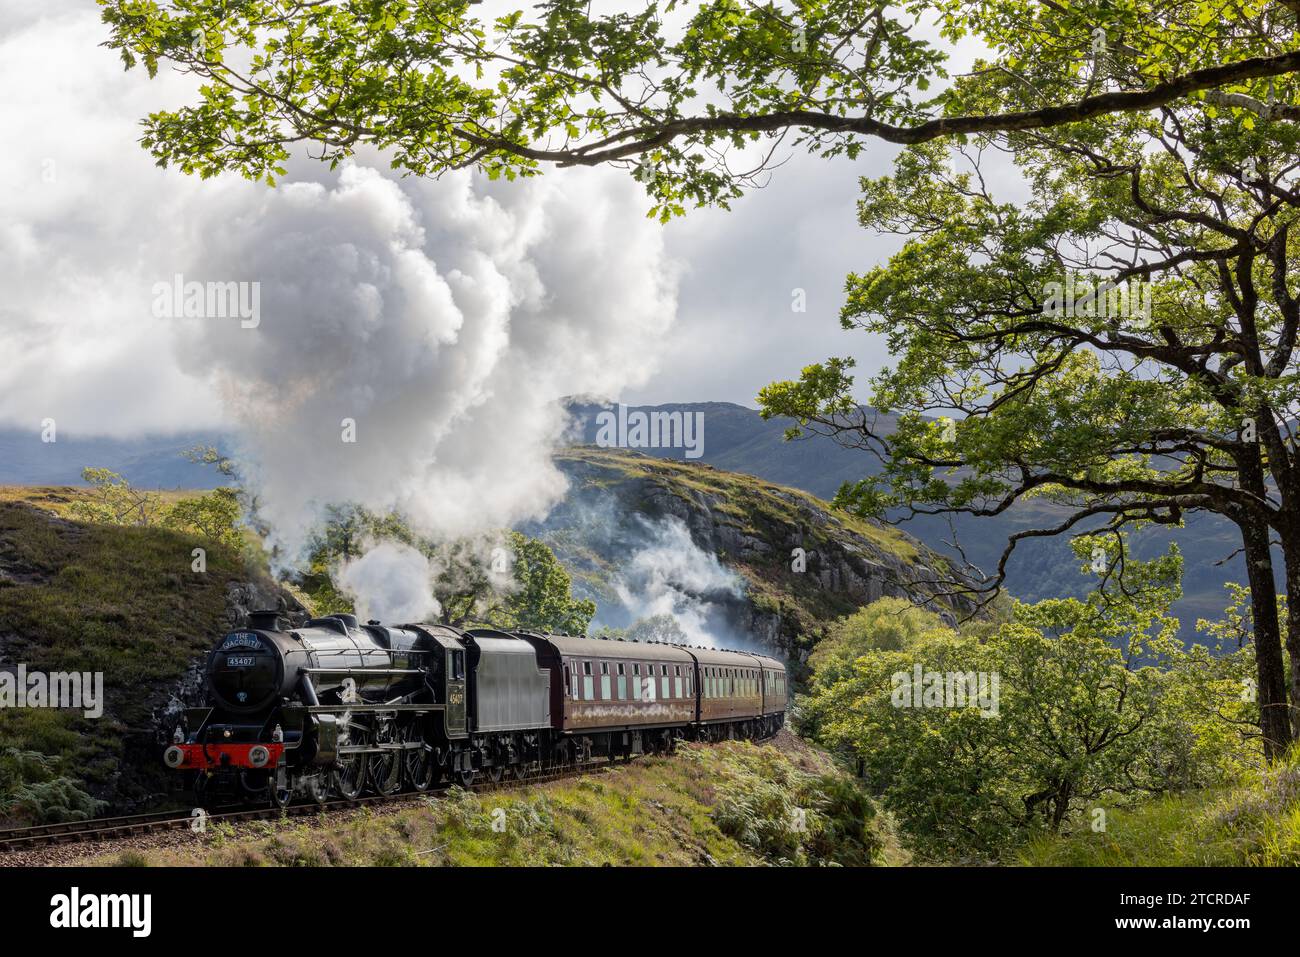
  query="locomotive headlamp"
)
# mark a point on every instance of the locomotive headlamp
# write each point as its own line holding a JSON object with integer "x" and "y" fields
{"x": 258, "y": 756}
{"x": 178, "y": 736}
{"x": 173, "y": 757}
{"x": 227, "y": 733}
{"x": 278, "y": 734}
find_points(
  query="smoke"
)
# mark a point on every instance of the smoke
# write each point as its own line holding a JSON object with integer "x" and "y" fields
{"x": 391, "y": 582}
{"x": 668, "y": 574}
{"x": 414, "y": 339}
{"x": 411, "y": 337}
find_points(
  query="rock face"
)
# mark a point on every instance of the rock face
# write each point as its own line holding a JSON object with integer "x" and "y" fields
{"x": 802, "y": 563}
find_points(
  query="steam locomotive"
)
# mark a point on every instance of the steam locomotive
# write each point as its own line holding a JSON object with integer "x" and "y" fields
{"x": 335, "y": 708}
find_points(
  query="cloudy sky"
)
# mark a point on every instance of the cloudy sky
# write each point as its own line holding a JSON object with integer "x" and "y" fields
{"x": 440, "y": 317}
{"x": 78, "y": 184}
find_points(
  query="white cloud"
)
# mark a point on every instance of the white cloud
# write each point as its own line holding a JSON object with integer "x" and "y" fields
{"x": 443, "y": 317}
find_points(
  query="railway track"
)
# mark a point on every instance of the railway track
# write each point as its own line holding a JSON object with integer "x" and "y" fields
{"x": 110, "y": 828}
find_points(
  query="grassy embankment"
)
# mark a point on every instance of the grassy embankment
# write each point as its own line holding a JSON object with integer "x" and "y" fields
{"x": 1254, "y": 824}
{"x": 733, "y": 804}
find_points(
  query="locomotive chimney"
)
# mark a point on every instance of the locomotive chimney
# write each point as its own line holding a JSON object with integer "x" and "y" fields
{"x": 266, "y": 620}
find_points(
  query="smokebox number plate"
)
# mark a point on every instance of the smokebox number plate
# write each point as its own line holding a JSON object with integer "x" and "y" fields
{"x": 243, "y": 661}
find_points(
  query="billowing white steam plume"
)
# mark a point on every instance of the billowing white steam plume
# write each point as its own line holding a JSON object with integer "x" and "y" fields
{"x": 412, "y": 335}
{"x": 390, "y": 583}
{"x": 670, "y": 575}
{"x": 413, "y": 340}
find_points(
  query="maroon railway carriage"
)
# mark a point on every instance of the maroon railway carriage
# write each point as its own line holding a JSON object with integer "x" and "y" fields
{"x": 625, "y": 697}
{"x": 612, "y": 697}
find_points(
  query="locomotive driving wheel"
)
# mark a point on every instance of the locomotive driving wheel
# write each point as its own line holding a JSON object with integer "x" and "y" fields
{"x": 385, "y": 771}
{"x": 419, "y": 767}
{"x": 349, "y": 777}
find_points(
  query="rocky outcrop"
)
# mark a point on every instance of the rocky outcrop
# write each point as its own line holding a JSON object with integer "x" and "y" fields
{"x": 804, "y": 563}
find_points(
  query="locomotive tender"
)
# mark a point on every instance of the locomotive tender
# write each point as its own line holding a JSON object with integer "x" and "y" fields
{"x": 335, "y": 708}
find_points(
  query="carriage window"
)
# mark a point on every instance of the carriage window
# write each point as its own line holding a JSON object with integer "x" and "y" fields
{"x": 568, "y": 682}
{"x": 604, "y": 681}
{"x": 636, "y": 682}
{"x": 588, "y": 682}
{"x": 622, "y": 683}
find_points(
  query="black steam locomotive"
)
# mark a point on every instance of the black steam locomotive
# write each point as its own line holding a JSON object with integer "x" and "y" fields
{"x": 335, "y": 708}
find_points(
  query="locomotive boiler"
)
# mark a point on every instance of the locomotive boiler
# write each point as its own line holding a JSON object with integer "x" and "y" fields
{"x": 335, "y": 708}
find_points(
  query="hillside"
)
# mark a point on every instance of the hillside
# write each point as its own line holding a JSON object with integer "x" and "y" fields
{"x": 643, "y": 534}
{"x": 736, "y": 439}
{"x": 113, "y": 599}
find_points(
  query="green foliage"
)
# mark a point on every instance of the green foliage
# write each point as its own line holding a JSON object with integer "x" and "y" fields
{"x": 507, "y": 581}
{"x": 654, "y": 628}
{"x": 1253, "y": 823}
{"x": 115, "y": 502}
{"x": 33, "y": 792}
{"x": 1095, "y": 700}
{"x": 888, "y": 624}
{"x": 214, "y": 516}
{"x": 667, "y": 87}
{"x": 791, "y": 816}
{"x": 211, "y": 455}
{"x": 541, "y": 600}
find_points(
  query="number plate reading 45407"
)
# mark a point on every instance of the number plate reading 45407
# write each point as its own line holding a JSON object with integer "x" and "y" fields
{"x": 243, "y": 661}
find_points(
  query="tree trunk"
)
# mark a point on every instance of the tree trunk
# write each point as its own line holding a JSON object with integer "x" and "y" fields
{"x": 1274, "y": 712}
{"x": 1291, "y": 552}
